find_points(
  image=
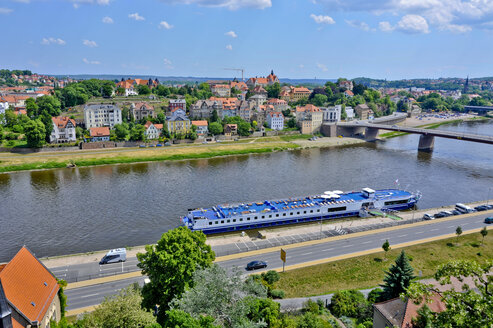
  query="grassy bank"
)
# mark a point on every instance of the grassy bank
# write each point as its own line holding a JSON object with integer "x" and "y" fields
{"x": 368, "y": 271}
{"x": 168, "y": 154}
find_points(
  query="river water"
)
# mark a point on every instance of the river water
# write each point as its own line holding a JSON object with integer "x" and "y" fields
{"x": 65, "y": 211}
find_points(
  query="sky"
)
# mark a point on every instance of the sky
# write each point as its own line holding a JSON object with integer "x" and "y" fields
{"x": 326, "y": 39}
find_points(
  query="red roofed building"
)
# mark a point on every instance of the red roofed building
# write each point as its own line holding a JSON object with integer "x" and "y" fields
{"x": 153, "y": 130}
{"x": 130, "y": 85}
{"x": 309, "y": 118}
{"x": 100, "y": 134}
{"x": 262, "y": 81}
{"x": 279, "y": 104}
{"x": 202, "y": 127}
{"x": 298, "y": 93}
{"x": 221, "y": 90}
{"x": 63, "y": 130}
{"x": 30, "y": 290}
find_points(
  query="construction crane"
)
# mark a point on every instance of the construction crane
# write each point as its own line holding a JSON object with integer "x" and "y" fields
{"x": 237, "y": 69}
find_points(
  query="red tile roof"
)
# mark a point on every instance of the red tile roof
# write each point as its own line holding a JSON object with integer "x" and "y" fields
{"x": 28, "y": 285}
{"x": 307, "y": 108}
{"x": 61, "y": 121}
{"x": 100, "y": 132}
{"x": 200, "y": 123}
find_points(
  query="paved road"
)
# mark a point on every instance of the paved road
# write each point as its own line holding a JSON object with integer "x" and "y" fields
{"x": 93, "y": 295}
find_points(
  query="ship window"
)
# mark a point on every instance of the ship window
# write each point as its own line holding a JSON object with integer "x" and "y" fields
{"x": 234, "y": 220}
{"x": 311, "y": 211}
{"x": 256, "y": 218}
{"x": 228, "y": 221}
{"x": 291, "y": 213}
{"x": 248, "y": 219}
{"x": 277, "y": 215}
{"x": 210, "y": 223}
{"x": 318, "y": 210}
{"x": 336, "y": 209}
{"x": 241, "y": 219}
{"x": 222, "y": 221}
{"x": 298, "y": 213}
{"x": 304, "y": 212}
{"x": 270, "y": 215}
{"x": 283, "y": 214}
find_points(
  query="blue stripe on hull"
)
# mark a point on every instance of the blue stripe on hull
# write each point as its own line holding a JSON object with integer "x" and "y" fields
{"x": 273, "y": 223}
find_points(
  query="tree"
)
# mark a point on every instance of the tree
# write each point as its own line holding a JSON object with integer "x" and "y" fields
{"x": 374, "y": 296}
{"x": 121, "y": 131}
{"x": 48, "y": 104}
{"x": 170, "y": 265}
{"x": 143, "y": 90}
{"x": 120, "y": 91}
{"x": 348, "y": 303}
{"x": 471, "y": 306}
{"x": 264, "y": 309}
{"x": 273, "y": 90}
{"x": 291, "y": 123}
{"x": 484, "y": 233}
{"x": 119, "y": 311}
{"x": 244, "y": 129}
{"x": 178, "y": 318}
{"x": 107, "y": 88}
{"x": 31, "y": 108}
{"x": 319, "y": 99}
{"x": 224, "y": 297}
{"x": 215, "y": 128}
{"x": 35, "y": 133}
{"x": 398, "y": 278}
{"x": 137, "y": 133}
{"x": 386, "y": 247}
{"x": 458, "y": 232}
{"x": 214, "y": 116}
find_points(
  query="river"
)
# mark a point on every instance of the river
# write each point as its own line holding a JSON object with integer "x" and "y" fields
{"x": 64, "y": 211}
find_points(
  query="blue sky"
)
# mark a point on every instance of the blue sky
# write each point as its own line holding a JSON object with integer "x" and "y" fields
{"x": 392, "y": 39}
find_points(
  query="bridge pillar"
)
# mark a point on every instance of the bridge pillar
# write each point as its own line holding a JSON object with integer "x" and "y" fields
{"x": 371, "y": 134}
{"x": 426, "y": 142}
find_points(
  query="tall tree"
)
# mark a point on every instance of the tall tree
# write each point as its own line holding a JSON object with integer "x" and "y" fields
{"x": 170, "y": 265}
{"x": 34, "y": 131}
{"x": 143, "y": 90}
{"x": 398, "y": 278}
{"x": 484, "y": 233}
{"x": 215, "y": 128}
{"x": 458, "y": 232}
{"x": 386, "y": 247}
{"x": 31, "y": 108}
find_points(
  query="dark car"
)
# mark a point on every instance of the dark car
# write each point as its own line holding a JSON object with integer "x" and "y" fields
{"x": 254, "y": 265}
{"x": 440, "y": 215}
{"x": 488, "y": 220}
{"x": 490, "y": 207}
{"x": 481, "y": 208}
{"x": 455, "y": 212}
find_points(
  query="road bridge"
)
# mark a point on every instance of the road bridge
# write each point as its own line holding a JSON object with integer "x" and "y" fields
{"x": 426, "y": 140}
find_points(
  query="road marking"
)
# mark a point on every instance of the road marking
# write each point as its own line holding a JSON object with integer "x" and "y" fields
{"x": 307, "y": 253}
{"x": 89, "y": 295}
{"x": 347, "y": 246}
{"x": 327, "y": 249}
{"x": 418, "y": 232}
{"x": 366, "y": 242}
{"x": 401, "y": 236}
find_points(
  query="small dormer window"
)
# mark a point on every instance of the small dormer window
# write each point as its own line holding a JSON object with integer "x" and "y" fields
{"x": 33, "y": 304}
{"x": 44, "y": 283}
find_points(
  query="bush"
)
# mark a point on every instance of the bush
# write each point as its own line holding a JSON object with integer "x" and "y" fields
{"x": 271, "y": 277}
{"x": 374, "y": 296}
{"x": 11, "y": 136}
{"x": 348, "y": 303}
{"x": 347, "y": 322}
{"x": 277, "y": 293}
{"x": 17, "y": 128}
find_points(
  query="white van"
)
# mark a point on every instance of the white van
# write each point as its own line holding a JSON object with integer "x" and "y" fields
{"x": 114, "y": 256}
{"x": 463, "y": 208}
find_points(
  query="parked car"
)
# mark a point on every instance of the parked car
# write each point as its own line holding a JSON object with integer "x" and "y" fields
{"x": 428, "y": 217}
{"x": 142, "y": 146}
{"x": 167, "y": 144}
{"x": 439, "y": 215}
{"x": 488, "y": 220}
{"x": 490, "y": 207}
{"x": 445, "y": 213}
{"x": 114, "y": 256}
{"x": 254, "y": 265}
{"x": 481, "y": 208}
{"x": 455, "y": 212}
{"x": 159, "y": 145}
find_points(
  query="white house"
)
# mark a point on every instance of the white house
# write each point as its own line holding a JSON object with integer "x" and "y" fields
{"x": 63, "y": 130}
{"x": 99, "y": 115}
{"x": 349, "y": 112}
{"x": 202, "y": 127}
{"x": 153, "y": 131}
{"x": 275, "y": 120}
{"x": 4, "y": 105}
{"x": 332, "y": 114}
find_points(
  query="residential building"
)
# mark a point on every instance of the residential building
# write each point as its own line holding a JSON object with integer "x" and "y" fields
{"x": 332, "y": 114}
{"x": 257, "y": 100}
{"x": 244, "y": 111}
{"x": 349, "y": 112}
{"x": 29, "y": 292}
{"x": 99, "y": 115}
{"x": 100, "y": 134}
{"x": 4, "y": 105}
{"x": 285, "y": 95}
{"x": 179, "y": 122}
{"x": 279, "y": 104}
{"x": 348, "y": 85}
{"x": 63, "y": 130}
{"x": 142, "y": 110}
{"x": 275, "y": 120}
{"x": 258, "y": 116}
{"x": 230, "y": 129}
{"x": 262, "y": 81}
{"x": 399, "y": 313}
{"x": 306, "y": 125}
{"x": 299, "y": 93}
{"x": 363, "y": 111}
{"x": 177, "y": 104}
{"x": 204, "y": 108}
{"x": 130, "y": 85}
{"x": 153, "y": 131}
{"x": 238, "y": 86}
{"x": 259, "y": 90}
{"x": 202, "y": 127}
{"x": 221, "y": 90}
{"x": 348, "y": 94}
{"x": 310, "y": 113}
{"x": 228, "y": 108}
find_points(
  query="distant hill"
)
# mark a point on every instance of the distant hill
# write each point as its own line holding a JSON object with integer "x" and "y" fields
{"x": 183, "y": 79}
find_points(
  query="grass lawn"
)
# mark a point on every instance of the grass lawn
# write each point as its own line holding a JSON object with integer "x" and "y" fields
{"x": 368, "y": 271}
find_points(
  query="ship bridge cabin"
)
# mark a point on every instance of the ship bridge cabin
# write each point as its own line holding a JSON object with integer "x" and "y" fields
{"x": 368, "y": 192}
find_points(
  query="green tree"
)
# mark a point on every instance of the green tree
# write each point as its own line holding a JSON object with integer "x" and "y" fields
{"x": 484, "y": 233}
{"x": 120, "y": 91}
{"x": 347, "y": 303}
{"x": 34, "y": 131}
{"x": 398, "y": 278}
{"x": 214, "y": 116}
{"x": 470, "y": 306}
{"x": 181, "y": 319}
{"x": 31, "y": 108}
{"x": 170, "y": 265}
{"x": 310, "y": 320}
{"x": 121, "y": 131}
{"x": 48, "y": 105}
{"x": 291, "y": 123}
{"x": 244, "y": 129}
{"x": 273, "y": 90}
{"x": 137, "y": 133}
{"x": 458, "y": 232}
{"x": 374, "y": 296}
{"x": 107, "y": 88}
{"x": 215, "y": 128}
{"x": 119, "y": 311}
{"x": 224, "y": 297}
{"x": 264, "y": 309}
{"x": 319, "y": 99}
{"x": 143, "y": 90}
{"x": 10, "y": 118}
{"x": 386, "y": 247}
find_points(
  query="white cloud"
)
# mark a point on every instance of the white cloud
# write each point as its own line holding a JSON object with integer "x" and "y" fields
{"x": 165, "y": 25}
{"x": 413, "y": 24}
{"x": 107, "y": 20}
{"x": 229, "y": 47}
{"x": 91, "y": 62}
{"x": 231, "y": 34}
{"x": 319, "y": 19}
{"x": 458, "y": 16}
{"x": 301, "y": 66}
{"x": 385, "y": 27}
{"x": 168, "y": 63}
{"x": 89, "y": 43}
{"x": 77, "y": 3}
{"x": 322, "y": 67}
{"x": 136, "y": 16}
{"x": 5, "y": 11}
{"x": 48, "y": 41}
{"x": 22, "y": 1}
{"x": 359, "y": 25}
{"x": 229, "y": 4}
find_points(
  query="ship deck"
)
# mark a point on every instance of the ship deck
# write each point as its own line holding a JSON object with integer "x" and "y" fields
{"x": 226, "y": 211}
